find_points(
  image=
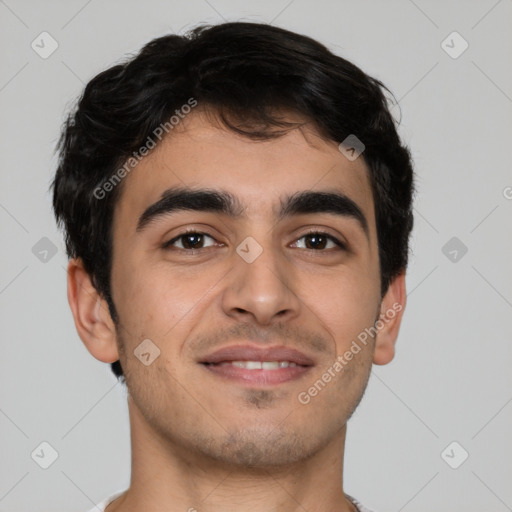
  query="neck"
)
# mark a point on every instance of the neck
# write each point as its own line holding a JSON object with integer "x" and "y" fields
{"x": 167, "y": 476}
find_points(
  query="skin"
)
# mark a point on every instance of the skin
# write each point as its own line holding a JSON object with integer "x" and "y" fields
{"x": 200, "y": 441}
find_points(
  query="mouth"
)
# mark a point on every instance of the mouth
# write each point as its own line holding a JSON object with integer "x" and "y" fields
{"x": 258, "y": 366}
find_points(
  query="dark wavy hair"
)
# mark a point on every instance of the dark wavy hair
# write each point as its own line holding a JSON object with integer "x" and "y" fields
{"x": 246, "y": 73}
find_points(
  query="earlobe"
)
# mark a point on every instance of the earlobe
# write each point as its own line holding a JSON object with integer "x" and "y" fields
{"x": 388, "y": 324}
{"x": 91, "y": 315}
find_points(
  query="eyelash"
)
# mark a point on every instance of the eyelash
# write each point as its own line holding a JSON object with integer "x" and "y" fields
{"x": 337, "y": 242}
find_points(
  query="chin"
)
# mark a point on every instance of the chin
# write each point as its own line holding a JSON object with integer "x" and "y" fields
{"x": 258, "y": 448}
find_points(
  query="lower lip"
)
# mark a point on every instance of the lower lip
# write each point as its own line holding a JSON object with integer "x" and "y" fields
{"x": 258, "y": 377}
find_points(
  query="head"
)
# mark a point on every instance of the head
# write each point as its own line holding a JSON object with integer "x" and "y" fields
{"x": 229, "y": 132}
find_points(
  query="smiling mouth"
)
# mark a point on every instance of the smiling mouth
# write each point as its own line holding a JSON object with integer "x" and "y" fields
{"x": 252, "y": 365}
{"x": 258, "y": 365}
{"x": 262, "y": 374}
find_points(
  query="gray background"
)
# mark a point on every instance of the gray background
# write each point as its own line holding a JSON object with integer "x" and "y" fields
{"x": 451, "y": 379}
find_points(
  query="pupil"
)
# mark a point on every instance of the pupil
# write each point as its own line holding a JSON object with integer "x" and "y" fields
{"x": 315, "y": 239}
{"x": 195, "y": 240}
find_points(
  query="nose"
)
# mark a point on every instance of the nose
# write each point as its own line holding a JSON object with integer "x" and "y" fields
{"x": 263, "y": 289}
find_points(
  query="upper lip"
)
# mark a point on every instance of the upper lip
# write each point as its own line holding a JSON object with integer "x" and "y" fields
{"x": 252, "y": 353}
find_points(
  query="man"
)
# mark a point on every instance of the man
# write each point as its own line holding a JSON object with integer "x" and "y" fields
{"x": 237, "y": 207}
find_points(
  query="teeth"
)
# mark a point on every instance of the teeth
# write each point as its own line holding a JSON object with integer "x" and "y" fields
{"x": 250, "y": 365}
{"x": 260, "y": 365}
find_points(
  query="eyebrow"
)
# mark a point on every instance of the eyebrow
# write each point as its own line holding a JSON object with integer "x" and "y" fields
{"x": 177, "y": 199}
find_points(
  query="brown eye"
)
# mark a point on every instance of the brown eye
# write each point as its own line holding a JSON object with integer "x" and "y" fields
{"x": 189, "y": 241}
{"x": 319, "y": 241}
{"x": 316, "y": 241}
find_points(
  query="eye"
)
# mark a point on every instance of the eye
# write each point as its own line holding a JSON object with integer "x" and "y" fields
{"x": 189, "y": 240}
{"x": 194, "y": 240}
{"x": 316, "y": 241}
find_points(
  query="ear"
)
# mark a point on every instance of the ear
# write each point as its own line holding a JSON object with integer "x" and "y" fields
{"x": 391, "y": 312}
{"x": 90, "y": 312}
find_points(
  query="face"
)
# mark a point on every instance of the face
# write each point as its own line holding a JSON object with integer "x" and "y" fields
{"x": 271, "y": 280}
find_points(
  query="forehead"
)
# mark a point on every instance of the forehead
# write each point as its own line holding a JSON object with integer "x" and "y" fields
{"x": 200, "y": 153}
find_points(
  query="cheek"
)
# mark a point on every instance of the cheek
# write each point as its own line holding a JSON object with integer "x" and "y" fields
{"x": 344, "y": 305}
{"x": 159, "y": 301}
